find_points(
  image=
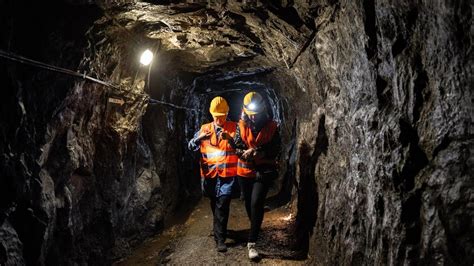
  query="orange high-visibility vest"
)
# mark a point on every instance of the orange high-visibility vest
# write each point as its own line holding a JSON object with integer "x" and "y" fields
{"x": 218, "y": 157}
{"x": 247, "y": 169}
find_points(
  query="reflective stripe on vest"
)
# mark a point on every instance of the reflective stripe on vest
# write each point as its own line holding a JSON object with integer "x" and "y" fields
{"x": 222, "y": 166}
{"x": 218, "y": 157}
{"x": 247, "y": 169}
{"x": 210, "y": 155}
{"x": 244, "y": 164}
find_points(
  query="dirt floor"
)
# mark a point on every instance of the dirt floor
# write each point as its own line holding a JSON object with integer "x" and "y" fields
{"x": 191, "y": 242}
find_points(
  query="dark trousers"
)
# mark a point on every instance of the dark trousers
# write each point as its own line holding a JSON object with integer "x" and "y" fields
{"x": 220, "y": 209}
{"x": 255, "y": 193}
{"x": 219, "y": 193}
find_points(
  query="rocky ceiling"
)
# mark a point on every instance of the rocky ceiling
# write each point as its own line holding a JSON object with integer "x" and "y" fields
{"x": 202, "y": 37}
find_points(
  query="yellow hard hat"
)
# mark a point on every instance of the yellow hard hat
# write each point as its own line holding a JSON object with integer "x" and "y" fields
{"x": 218, "y": 107}
{"x": 253, "y": 103}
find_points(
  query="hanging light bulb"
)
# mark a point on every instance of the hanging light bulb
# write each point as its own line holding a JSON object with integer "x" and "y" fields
{"x": 252, "y": 106}
{"x": 146, "y": 57}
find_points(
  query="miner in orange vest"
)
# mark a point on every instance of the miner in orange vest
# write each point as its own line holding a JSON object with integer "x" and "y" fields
{"x": 218, "y": 165}
{"x": 258, "y": 143}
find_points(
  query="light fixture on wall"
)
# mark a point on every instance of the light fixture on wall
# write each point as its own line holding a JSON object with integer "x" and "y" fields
{"x": 146, "y": 58}
{"x": 27, "y": 61}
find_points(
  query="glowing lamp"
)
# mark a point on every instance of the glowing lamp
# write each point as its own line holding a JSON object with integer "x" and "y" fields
{"x": 146, "y": 57}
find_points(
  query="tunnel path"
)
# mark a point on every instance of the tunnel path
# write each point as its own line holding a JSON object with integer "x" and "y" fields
{"x": 191, "y": 242}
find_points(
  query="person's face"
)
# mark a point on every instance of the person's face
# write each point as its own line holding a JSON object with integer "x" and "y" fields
{"x": 220, "y": 120}
{"x": 255, "y": 118}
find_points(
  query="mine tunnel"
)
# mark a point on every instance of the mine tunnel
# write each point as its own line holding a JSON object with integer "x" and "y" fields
{"x": 373, "y": 101}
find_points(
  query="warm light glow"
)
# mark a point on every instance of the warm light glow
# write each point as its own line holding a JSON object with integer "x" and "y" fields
{"x": 252, "y": 106}
{"x": 287, "y": 218}
{"x": 146, "y": 57}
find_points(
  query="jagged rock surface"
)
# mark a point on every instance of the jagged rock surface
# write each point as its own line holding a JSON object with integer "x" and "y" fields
{"x": 388, "y": 151}
{"x": 78, "y": 180}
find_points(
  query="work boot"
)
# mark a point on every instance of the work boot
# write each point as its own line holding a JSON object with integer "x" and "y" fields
{"x": 253, "y": 254}
{"x": 221, "y": 246}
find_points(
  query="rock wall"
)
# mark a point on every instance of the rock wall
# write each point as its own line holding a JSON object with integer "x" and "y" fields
{"x": 385, "y": 154}
{"x": 79, "y": 183}
{"x": 30, "y": 98}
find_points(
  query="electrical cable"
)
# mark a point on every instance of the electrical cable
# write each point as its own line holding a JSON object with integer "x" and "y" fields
{"x": 154, "y": 101}
{"x": 27, "y": 61}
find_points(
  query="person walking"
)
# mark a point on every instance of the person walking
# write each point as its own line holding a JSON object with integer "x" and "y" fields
{"x": 258, "y": 143}
{"x": 218, "y": 164}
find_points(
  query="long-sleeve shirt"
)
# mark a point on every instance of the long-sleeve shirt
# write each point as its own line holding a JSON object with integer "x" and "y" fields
{"x": 195, "y": 142}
